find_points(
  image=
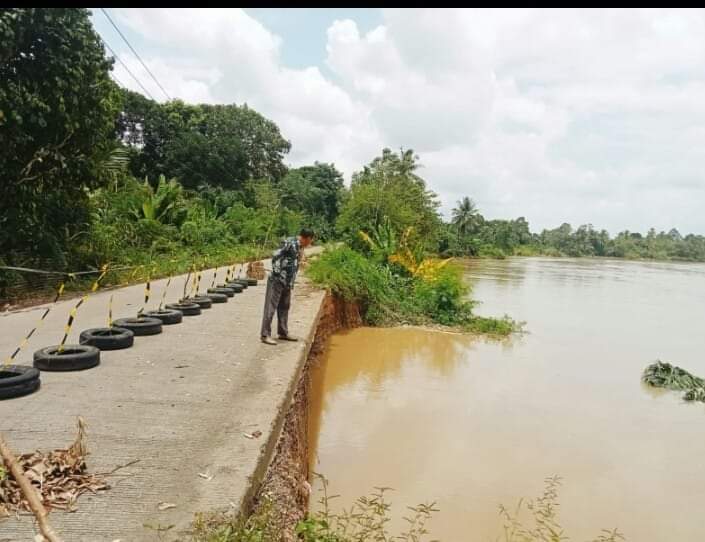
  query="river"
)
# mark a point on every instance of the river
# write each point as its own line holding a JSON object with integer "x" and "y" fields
{"x": 471, "y": 423}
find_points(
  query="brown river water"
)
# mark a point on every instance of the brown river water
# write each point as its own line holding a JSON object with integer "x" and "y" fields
{"x": 471, "y": 423}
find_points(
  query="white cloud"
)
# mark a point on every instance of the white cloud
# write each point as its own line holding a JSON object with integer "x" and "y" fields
{"x": 557, "y": 115}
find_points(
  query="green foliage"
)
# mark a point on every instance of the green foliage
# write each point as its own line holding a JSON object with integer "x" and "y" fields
{"x": 57, "y": 111}
{"x": 446, "y": 297}
{"x": 664, "y": 375}
{"x": 388, "y": 189}
{"x": 366, "y": 520}
{"x": 258, "y": 527}
{"x": 388, "y": 294}
{"x": 201, "y": 144}
{"x": 543, "y": 514}
{"x": 316, "y": 192}
{"x": 469, "y": 234}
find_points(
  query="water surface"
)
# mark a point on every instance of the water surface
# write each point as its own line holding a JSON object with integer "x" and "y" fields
{"x": 472, "y": 423}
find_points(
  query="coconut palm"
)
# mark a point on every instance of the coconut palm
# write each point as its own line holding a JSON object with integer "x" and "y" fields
{"x": 466, "y": 216}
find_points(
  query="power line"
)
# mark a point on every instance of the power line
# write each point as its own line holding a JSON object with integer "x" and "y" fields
{"x": 133, "y": 50}
{"x": 128, "y": 69}
{"x": 117, "y": 80}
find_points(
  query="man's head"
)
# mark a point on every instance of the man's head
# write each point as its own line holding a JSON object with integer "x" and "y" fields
{"x": 306, "y": 237}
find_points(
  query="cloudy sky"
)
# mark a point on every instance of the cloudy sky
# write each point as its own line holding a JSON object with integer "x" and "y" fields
{"x": 584, "y": 116}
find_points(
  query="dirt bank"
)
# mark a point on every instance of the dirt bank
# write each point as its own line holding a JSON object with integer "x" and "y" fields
{"x": 286, "y": 482}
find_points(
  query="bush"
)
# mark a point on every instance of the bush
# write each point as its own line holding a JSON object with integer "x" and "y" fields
{"x": 388, "y": 295}
{"x": 445, "y": 296}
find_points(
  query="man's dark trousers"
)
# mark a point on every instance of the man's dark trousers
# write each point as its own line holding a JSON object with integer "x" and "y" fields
{"x": 276, "y": 299}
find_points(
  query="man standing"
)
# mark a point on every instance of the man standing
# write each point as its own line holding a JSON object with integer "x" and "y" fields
{"x": 285, "y": 265}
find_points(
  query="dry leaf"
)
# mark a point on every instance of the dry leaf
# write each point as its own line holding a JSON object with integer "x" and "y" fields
{"x": 205, "y": 476}
{"x": 165, "y": 506}
{"x": 60, "y": 476}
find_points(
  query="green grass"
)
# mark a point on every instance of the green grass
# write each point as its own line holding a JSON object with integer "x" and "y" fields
{"x": 389, "y": 296}
{"x": 530, "y": 520}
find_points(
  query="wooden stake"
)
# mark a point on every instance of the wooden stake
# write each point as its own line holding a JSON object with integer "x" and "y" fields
{"x": 29, "y": 492}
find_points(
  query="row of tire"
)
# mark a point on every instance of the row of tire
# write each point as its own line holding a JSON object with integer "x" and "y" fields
{"x": 19, "y": 380}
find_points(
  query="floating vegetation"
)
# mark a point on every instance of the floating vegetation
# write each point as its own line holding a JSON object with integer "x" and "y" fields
{"x": 664, "y": 375}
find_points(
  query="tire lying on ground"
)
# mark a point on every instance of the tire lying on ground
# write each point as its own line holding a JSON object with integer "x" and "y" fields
{"x": 218, "y": 298}
{"x": 167, "y": 316}
{"x": 141, "y": 325}
{"x": 185, "y": 308}
{"x": 235, "y": 287}
{"x": 201, "y": 300}
{"x": 18, "y": 380}
{"x": 226, "y": 291}
{"x": 107, "y": 338}
{"x": 73, "y": 357}
{"x": 242, "y": 282}
{"x": 252, "y": 282}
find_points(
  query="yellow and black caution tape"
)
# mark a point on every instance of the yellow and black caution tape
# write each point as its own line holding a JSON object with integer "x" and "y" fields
{"x": 110, "y": 311}
{"x": 59, "y": 292}
{"x": 166, "y": 289}
{"x": 198, "y": 280}
{"x": 147, "y": 291}
{"x": 72, "y": 314}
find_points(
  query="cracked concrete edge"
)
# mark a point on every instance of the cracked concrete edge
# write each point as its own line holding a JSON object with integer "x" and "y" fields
{"x": 268, "y": 449}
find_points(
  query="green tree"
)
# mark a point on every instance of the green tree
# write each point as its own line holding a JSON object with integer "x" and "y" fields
{"x": 217, "y": 145}
{"x": 389, "y": 188}
{"x": 57, "y": 114}
{"x": 316, "y": 192}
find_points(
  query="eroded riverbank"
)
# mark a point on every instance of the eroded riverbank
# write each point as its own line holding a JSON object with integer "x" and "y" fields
{"x": 472, "y": 424}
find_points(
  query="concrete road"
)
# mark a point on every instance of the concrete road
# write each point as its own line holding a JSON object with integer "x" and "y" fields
{"x": 179, "y": 402}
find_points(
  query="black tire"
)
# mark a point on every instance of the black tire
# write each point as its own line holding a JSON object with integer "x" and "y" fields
{"x": 242, "y": 282}
{"x": 13, "y": 375}
{"x": 187, "y": 309}
{"x": 226, "y": 291}
{"x": 108, "y": 338}
{"x": 167, "y": 316}
{"x": 18, "y": 390}
{"x": 252, "y": 282}
{"x": 74, "y": 357}
{"x": 201, "y": 300}
{"x": 218, "y": 298}
{"x": 141, "y": 325}
{"x": 235, "y": 287}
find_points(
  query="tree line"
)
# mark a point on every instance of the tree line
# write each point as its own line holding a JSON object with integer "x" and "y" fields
{"x": 94, "y": 173}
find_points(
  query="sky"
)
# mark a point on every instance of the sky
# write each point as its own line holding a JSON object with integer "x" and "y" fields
{"x": 582, "y": 116}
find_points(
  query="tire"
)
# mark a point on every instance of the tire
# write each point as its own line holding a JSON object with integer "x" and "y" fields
{"x": 108, "y": 338}
{"x": 75, "y": 357}
{"x": 187, "y": 309}
{"x": 167, "y": 316}
{"x": 218, "y": 298}
{"x": 242, "y": 282}
{"x": 235, "y": 287}
{"x": 13, "y": 375}
{"x": 201, "y": 300}
{"x": 252, "y": 282}
{"x": 226, "y": 291}
{"x": 141, "y": 325}
{"x": 18, "y": 390}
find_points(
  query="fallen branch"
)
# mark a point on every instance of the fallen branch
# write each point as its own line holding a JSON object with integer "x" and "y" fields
{"x": 29, "y": 492}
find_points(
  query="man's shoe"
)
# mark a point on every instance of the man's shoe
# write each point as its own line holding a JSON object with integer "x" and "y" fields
{"x": 268, "y": 340}
{"x": 287, "y": 338}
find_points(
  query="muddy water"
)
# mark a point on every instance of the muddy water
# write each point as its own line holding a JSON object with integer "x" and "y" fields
{"x": 471, "y": 423}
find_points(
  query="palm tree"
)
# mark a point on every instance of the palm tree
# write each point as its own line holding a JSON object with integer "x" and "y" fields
{"x": 465, "y": 216}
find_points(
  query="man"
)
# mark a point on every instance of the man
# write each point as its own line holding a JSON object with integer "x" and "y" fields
{"x": 285, "y": 265}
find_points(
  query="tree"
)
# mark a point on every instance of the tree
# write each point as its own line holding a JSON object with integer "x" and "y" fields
{"x": 317, "y": 192}
{"x": 388, "y": 188}
{"x": 57, "y": 112}
{"x": 217, "y": 145}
